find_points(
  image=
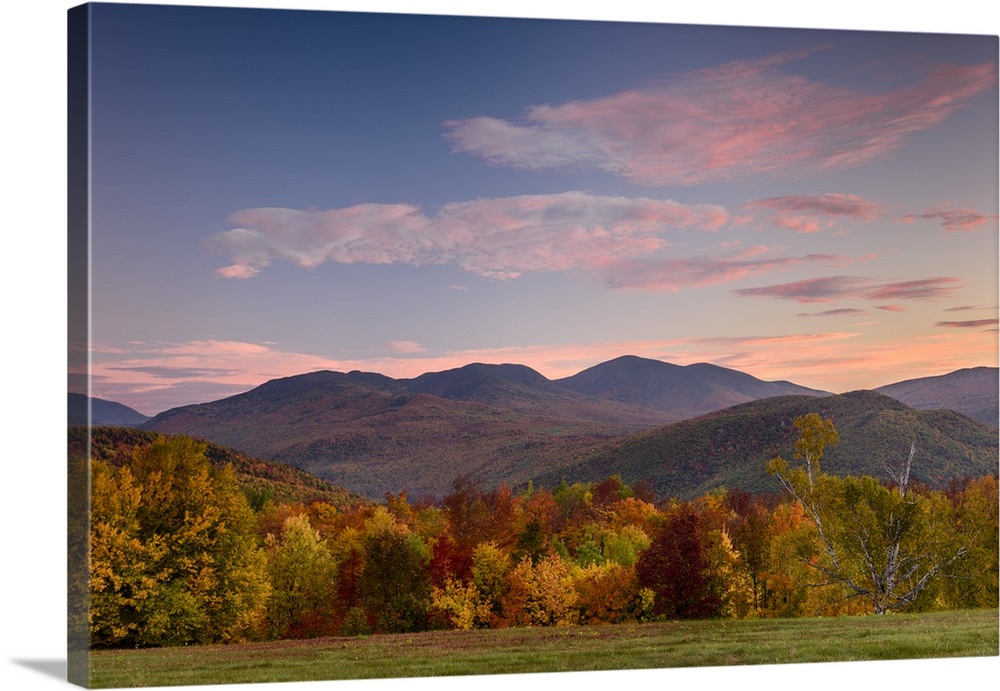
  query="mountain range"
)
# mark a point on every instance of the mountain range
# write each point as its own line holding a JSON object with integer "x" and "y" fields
{"x": 508, "y": 423}
{"x": 374, "y": 434}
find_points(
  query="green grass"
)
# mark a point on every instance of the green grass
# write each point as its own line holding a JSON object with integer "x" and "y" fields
{"x": 526, "y": 650}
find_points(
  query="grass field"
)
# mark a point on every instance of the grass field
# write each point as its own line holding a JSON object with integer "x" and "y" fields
{"x": 657, "y": 645}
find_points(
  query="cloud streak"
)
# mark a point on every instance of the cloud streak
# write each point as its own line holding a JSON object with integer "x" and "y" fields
{"x": 504, "y": 238}
{"x": 953, "y": 220}
{"x": 725, "y": 123}
{"x": 971, "y": 324}
{"x": 674, "y": 274}
{"x": 829, "y": 288}
{"x": 845, "y": 312}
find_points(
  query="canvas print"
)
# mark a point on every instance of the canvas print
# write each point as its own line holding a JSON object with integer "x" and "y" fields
{"x": 412, "y": 345}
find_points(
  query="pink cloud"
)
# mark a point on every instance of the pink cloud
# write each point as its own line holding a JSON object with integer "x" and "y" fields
{"x": 810, "y": 290}
{"x": 730, "y": 122}
{"x": 953, "y": 220}
{"x": 921, "y": 289}
{"x": 152, "y": 377}
{"x": 828, "y": 288}
{"x": 830, "y": 363}
{"x": 811, "y": 213}
{"x": 494, "y": 238}
{"x": 406, "y": 347}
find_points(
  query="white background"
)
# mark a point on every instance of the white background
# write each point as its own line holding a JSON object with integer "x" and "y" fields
{"x": 33, "y": 335}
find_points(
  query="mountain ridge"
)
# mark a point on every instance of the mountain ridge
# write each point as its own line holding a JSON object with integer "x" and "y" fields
{"x": 500, "y": 423}
{"x": 971, "y": 390}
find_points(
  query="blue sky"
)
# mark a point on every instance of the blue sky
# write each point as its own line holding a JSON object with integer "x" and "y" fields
{"x": 279, "y": 192}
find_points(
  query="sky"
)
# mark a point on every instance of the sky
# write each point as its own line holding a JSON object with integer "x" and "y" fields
{"x": 276, "y": 192}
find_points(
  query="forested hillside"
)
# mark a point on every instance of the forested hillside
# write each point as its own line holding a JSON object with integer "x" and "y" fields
{"x": 261, "y": 480}
{"x": 730, "y": 447}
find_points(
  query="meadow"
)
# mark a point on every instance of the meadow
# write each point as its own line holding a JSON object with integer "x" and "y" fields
{"x": 967, "y": 633}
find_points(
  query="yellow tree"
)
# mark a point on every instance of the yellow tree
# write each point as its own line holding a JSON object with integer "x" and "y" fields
{"x": 540, "y": 594}
{"x": 175, "y": 557}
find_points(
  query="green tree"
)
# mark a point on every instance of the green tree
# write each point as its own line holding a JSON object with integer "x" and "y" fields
{"x": 625, "y": 545}
{"x": 395, "y": 583}
{"x": 878, "y": 543}
{"x": 303, "y": 579}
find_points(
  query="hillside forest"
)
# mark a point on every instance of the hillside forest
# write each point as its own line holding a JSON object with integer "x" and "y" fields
{"x": 186, "y": 547}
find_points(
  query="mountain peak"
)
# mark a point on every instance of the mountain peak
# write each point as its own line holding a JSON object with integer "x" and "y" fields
{"x": 687, "y": 391}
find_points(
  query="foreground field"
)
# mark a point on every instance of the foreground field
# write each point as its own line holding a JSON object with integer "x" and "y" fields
{"x": 561, "y": 649}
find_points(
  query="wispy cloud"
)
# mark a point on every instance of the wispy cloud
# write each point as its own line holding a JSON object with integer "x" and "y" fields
{"x": 920, "y": 289}
{"x": 687, "y": 272}
{"x": 406, "y": 347}
{"x": 971, "y": 324}
{"x": 845, "y": 312}
{"x": 495, "y": 238}
{"x": 952, "y": 220}
{"x": 812, "y": 213}
{"x": 724, "y": 123}
{"x": 828, "y": 288}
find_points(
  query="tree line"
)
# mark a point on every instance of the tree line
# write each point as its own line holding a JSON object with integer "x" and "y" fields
{"x": 181, "y": 554}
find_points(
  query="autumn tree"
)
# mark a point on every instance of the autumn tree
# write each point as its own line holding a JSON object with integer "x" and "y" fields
{"x": 879, "y": 543}
{"x": 750, "y": 529}
{"x": 608, "y": 594}
{"x": 976, "y": 583}
{"x": 540, "y": 594}
{"x": 675, "y": 567}
{"x": 479, "y": 602}
{"x": 476, "y": 516}
{"x": 175, "y": 557}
